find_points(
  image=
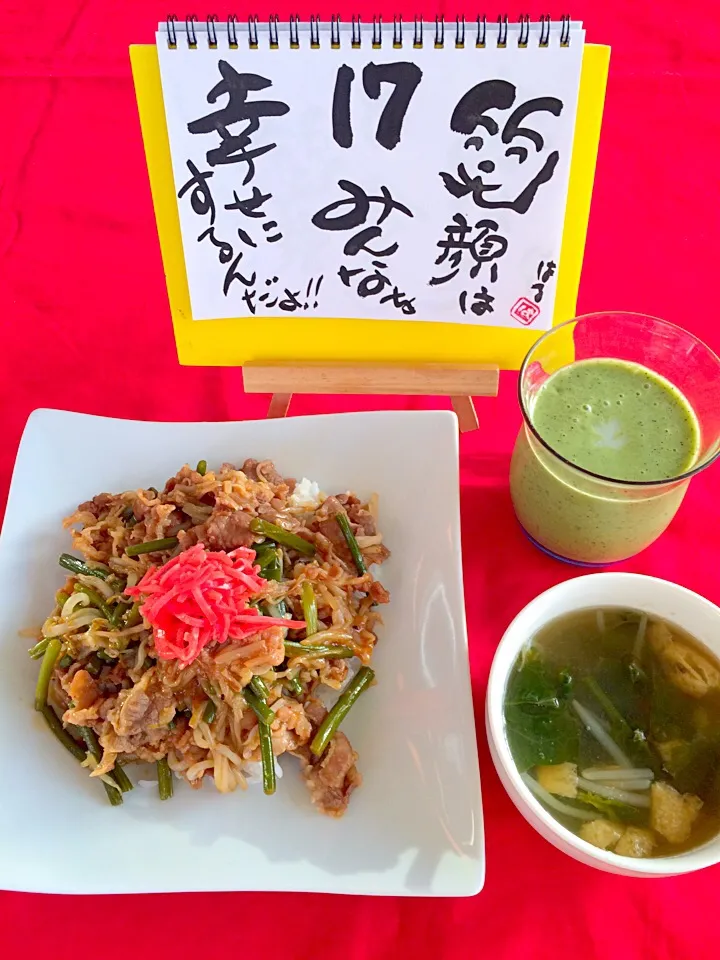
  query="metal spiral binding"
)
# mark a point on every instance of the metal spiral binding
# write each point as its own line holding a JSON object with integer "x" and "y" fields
{"x": 565, "y": 31}
{"x": 273, "y": 31}
{"x": 212, "y": 32}
{"x": 482, "y": 36}
{"x": 377, "y": 33}
{"x": 356, "y": 38}
{"x": 171, "y": 31}
{"x": 524, "y": 36}
{"x": 334, "y": 32}
{"x": 190, "y": 30}
{"x": 502, "y": 31}
{"x": 544, "y": 30}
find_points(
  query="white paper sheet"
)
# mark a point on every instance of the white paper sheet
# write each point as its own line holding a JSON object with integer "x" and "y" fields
{"x": 460, "y": 225}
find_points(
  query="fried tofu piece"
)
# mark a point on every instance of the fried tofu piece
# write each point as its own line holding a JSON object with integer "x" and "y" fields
{"x": 625, "y": 841}
{"x": 687, "y": 668}
{"x": 673, "y": 814}
{"x": 601, "y": 833}
{"x": 635, "y": 842}
{"x": 560, "y": 779}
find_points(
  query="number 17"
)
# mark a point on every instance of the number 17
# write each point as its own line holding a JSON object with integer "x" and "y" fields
{"x": 405, "y": 78}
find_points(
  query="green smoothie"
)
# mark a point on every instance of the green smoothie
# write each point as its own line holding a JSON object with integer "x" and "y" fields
{"x": 615, "y": 419}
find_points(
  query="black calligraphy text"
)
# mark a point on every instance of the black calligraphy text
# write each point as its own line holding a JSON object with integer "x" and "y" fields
{"x": 404, "y": 77}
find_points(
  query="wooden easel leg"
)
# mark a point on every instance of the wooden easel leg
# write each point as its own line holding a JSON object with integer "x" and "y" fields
{"x": 465, "y": 411}
{"x": 279, "y": 403}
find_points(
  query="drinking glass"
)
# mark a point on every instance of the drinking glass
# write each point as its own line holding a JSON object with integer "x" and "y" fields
{"x": 583, "y": 517}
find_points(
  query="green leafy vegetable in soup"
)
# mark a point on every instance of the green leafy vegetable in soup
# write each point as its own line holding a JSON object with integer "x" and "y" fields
{"x": 613, "y": 720}
{"x": 537, "y": 714}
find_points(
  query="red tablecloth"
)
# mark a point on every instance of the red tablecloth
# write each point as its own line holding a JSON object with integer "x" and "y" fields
{"x": 85, "y": 326}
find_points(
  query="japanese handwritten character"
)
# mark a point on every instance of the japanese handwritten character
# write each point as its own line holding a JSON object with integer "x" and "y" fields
{"x": 267, "y": 227}
{"x": 201, "y": 198}
{"x": 269, "y": 304}
{"x": 251, "y": 206}
{"x": 544, "y": 272}
{"x": 360, "y": 203}
{"x": 346, "y": 274}
{"x": 404, "y": 77}
{"x": 290, "y": 302}
{"x": 375, "y": 283}
{"x": 471, "y": 113}
{"x": 248, "y": 298}
{"x": 548, "y": 271}
{"x": 400, "y": 300}
{"x": 484, "y": 247}
{"x": 360, "y": 242}
{"x": 234, "y": 147}
{"x": 232, "y": 275}
{"x": 226, "y": 251}
{"x": 482, "y": 302}
{"x": 246, "y": 238}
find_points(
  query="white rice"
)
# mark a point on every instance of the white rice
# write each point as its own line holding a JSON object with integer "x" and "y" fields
{"x": 253, "y": 771}
{"x": 306, "y": 494}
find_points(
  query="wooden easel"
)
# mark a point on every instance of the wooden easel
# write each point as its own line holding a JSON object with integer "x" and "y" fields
{"x": 461, "y": 382}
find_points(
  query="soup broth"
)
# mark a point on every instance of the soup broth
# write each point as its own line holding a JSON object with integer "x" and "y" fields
{"x": 613, "y": 719}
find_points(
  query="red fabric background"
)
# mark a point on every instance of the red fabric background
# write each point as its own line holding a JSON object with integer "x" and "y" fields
{"x": 85, "y": 326}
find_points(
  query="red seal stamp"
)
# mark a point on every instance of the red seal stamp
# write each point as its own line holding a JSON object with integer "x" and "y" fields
{"x": 525, "y": 311}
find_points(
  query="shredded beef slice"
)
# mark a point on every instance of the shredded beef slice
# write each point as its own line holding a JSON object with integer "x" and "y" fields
{"x": 98, "y": 505}
{"x": 363, "y": 520}
{"x": 136, "y": 712}
{"x": 332, "y": 532}
{"x": 134, "y": 706}
{"x": 249, "y": 468}
{"x": 362, "y": 523}
{"x": 315, "y": 712}
{"x": 332, "y": 778}
{"x": 139, "y": 508}
{"x": 266, "y": 471}
{"x": 326, "y": 524}
{"x": 226, "y": 531}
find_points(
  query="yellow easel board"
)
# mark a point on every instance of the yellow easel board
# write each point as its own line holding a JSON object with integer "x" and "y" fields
{"x": 234, "y": 342}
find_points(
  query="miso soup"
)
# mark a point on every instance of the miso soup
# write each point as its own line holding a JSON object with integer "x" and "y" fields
{"x": 613, "y": 719}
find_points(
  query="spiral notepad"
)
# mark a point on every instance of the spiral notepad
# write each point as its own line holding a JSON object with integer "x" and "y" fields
{"x": 381, "y": 171}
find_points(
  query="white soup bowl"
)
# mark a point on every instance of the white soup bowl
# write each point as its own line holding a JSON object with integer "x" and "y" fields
{"x": 650, "y": 595}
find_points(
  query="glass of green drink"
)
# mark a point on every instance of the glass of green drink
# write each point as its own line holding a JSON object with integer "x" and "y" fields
{"x": 620, "y": 410}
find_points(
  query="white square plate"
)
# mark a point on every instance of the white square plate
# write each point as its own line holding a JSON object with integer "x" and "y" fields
{"x": 415, "y": 825}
